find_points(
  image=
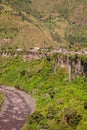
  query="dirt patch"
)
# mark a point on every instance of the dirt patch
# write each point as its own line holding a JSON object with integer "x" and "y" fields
{"x": 17, "y": 106}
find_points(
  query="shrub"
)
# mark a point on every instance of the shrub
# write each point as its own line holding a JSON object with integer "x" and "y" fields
{"x": 36, "y": 117}
{"x": 52, "y": 94}
{"x": 1, "y": 7}
{"x": 22, "y": 73}
{"x": 72, "y": 118}
{"x": 76, "y": 39}
{"x": 56, "y": 37}
{"x": 44, "y": 125}
{"x": 51, "y": 113}
{"x": 85, "y": 105}
{"x": 57, "y": 119}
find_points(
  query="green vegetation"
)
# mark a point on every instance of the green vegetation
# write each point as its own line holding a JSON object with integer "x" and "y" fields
{"x": 46, "y": 24}
{"x": 21, "y": 30}
{"x": 1, "y": 100}
{"x": 60, "y": 104}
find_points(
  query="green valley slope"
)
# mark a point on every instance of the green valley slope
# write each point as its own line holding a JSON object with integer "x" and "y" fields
{"x": 20, "y": 30}
{"x": 60, "y": 105}
{"x": 44, "y": 23}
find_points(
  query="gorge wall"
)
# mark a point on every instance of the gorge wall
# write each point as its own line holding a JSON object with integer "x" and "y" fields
{"x": 75, "y": 62}
{"x": 75, "y": 65}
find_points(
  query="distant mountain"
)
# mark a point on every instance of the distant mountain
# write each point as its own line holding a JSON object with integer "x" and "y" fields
{"x": 43, "y": 23}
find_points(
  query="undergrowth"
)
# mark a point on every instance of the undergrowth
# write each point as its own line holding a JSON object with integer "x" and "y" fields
{"x": 60, "y": 104}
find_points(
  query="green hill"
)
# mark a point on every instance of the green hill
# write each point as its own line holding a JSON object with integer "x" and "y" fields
{"x": 60, "y": 105}
{"x": 29, "y": 23}
{"x": 20, "y": 30}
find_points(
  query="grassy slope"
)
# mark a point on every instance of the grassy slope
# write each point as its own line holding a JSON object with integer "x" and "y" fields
{"x": 71, "y": 10}
{"x": 38, "y": 79}
{"x": 68, "y": 27}
{"x": 23, "y": 30}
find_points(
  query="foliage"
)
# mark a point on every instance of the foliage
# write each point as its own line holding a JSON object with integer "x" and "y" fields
{"x": 53, "y": 94}
{"x": 58, "y": 23}
{"x": 72, "y": 118}
{"x": 85, "y": 105}
{"x": 36, "y": 117}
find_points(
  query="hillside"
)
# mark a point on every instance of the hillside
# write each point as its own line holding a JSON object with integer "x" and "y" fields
{"x": 44, "y": 23}
{"x": 59, "y": 104}
{"x": 72, "y": 11}
{"x": 20, "y": 30}
{"x": 43, "y": 52}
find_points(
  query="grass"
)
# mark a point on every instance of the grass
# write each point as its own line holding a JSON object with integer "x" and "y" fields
{"x": 32, "y": 23}
{"x": 55, "y": 97}
{"x": 42, "y": 23}
{"x": 2, "y": 98}
{"x": 22, "y": 30}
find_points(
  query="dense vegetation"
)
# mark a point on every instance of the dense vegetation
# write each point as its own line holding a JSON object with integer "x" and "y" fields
{"x": 45, "y": 24}
{"x": 60, "y": 104}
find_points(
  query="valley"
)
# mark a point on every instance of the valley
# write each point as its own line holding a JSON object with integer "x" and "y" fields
{"x": 43, "y": 65}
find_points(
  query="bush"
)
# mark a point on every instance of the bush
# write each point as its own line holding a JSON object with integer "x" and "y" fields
{"x": 85, "y": 105}
{"x": 52, "y": 94}
{"x": 22, "y": 73}
{"x": 1, "y": 7}
{"x": 56, "y": 37}
{"x": 36, "y": 117}
{"x": 57, "y": 119}
{"x": 73, "y": 118}
{"x": 44, "y": 125}
{"x": 76, "y": 39}
{"x": 51, "y": 113}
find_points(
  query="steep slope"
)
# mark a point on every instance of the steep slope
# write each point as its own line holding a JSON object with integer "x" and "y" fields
{"x": 17, "y": 29}
{"x": 75, "y": 12}
{"x": 60, "y": 105}
{"x": 45, "y": 23}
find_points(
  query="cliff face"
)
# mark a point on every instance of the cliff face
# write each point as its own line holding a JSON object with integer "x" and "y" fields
{"x": 75, "y": 64}
{"x": 76, "y": 67}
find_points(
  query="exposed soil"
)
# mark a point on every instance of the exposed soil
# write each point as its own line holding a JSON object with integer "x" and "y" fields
{"x": 15, "y": 109}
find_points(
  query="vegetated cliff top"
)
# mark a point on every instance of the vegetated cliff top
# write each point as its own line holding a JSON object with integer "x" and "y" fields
{"x": 42, "y": 23}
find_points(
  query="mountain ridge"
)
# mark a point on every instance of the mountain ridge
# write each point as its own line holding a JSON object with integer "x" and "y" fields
{"x": 52, "y": 24}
